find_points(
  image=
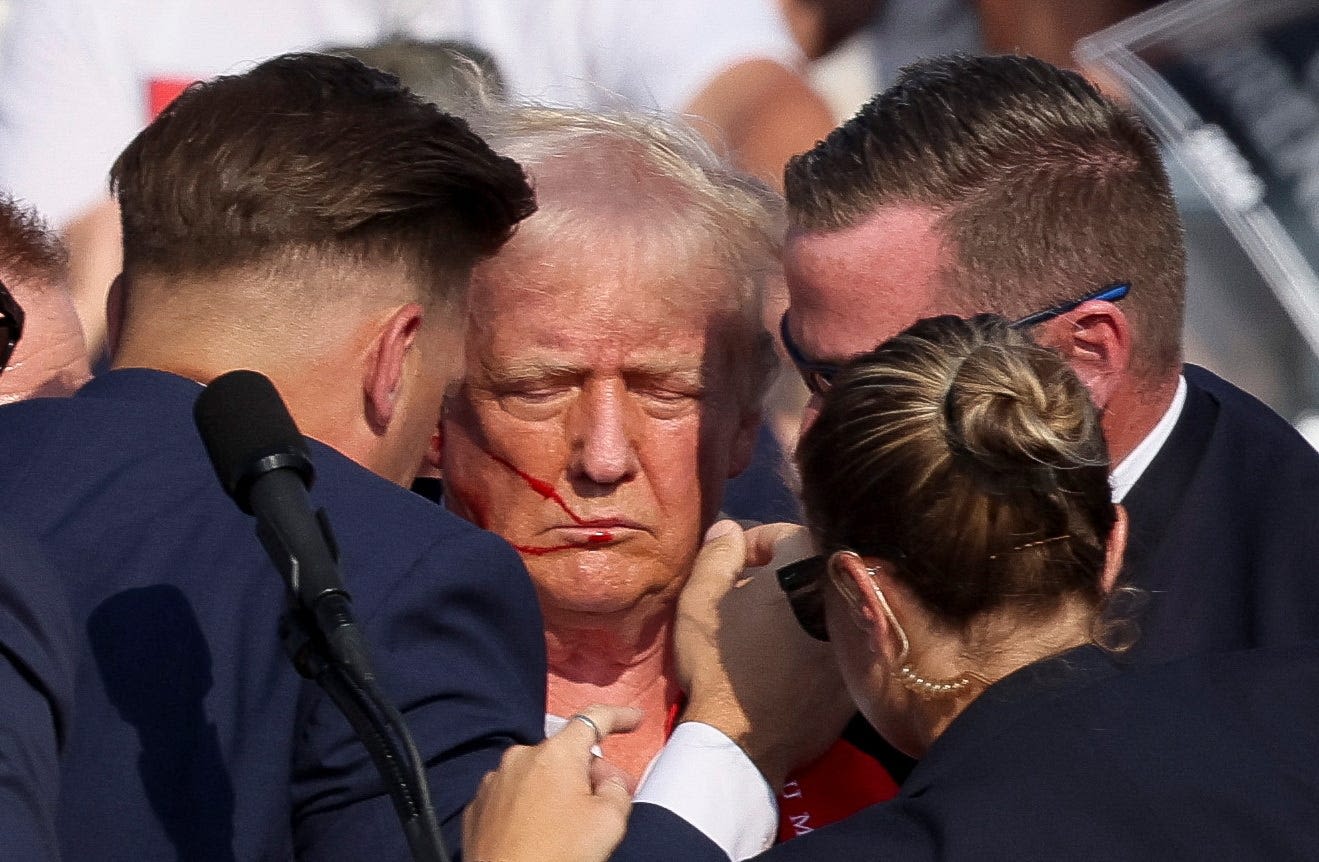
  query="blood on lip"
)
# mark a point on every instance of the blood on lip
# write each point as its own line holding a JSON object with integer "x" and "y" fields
{"x": 547, "y": 491}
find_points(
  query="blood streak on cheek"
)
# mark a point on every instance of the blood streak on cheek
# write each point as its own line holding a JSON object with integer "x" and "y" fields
{"x": 547, "y": 491}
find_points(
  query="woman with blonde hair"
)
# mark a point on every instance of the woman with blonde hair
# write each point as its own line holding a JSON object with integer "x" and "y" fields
{"x": 956, "y": 486}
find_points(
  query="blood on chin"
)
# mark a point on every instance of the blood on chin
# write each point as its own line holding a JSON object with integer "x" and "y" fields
{"x": 593, "y": 539}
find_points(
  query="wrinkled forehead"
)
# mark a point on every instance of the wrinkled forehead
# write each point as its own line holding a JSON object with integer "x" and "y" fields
{"x": 609, "y": 270}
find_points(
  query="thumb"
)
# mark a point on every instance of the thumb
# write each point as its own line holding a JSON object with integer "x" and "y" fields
{"x": 720, "y": 560}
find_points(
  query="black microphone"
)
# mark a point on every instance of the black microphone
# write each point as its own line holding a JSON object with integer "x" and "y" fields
{"x": 263, "y": 464}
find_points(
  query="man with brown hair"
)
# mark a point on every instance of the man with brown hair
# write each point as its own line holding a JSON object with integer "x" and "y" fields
{"x": 51, "y": 358}
{"x": 312, "y": 220}
{"x": 1004, "y": 184}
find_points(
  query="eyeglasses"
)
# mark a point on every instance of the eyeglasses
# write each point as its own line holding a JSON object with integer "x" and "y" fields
{"x": 819, "y": 376}
{"x": 11, "y": 325}
{"x": 803, "y": 583}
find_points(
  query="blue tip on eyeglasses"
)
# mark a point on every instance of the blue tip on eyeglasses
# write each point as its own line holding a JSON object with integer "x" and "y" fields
{"x": 1112, "y": 293}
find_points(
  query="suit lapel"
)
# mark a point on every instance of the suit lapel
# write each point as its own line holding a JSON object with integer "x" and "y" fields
{"x": 1158, "y": 493}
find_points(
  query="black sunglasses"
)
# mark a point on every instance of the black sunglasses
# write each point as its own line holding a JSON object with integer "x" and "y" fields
{"x": 11, "y": 325}
{"x": 819, "y": 376}
{"x": 803, "y": 583}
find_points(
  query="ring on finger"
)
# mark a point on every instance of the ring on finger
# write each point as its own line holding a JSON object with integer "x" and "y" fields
{"x": 589, "y": 722}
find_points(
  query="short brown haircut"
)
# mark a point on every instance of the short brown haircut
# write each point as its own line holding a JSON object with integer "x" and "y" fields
{"x": 1044, "y": 189}
{"x": 973, "y": 460}
{"x": 312, "y": 158}
{"x": 30, "y": 252}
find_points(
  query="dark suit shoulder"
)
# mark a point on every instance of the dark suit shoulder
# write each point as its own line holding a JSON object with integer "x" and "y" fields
{"x": 1250, "y": 420}
{"x": 1145, "y": 764}
{"x": 1222, "y": 536}
{"x": 36, "y": 691}
{"x": 390, "y": 532}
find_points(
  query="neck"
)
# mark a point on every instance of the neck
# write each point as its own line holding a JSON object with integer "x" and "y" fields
{"x": 1133, "y": 410}
{"x": 629, "y": 667}
{"x": 321, "y": 392}
{"x": 600, "y": 653}
{"x": 994, "y": 647}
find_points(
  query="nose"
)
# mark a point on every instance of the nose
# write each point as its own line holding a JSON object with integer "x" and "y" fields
{"x": 604, "y": 450}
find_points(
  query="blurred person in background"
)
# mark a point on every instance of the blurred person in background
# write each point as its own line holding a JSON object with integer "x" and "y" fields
{"x": 956, "y": 486}
{"x": 615, "y": 362}
{"x": 80, "y": 77}
{"x": 451, "y": 73}
{"x": 51, "y": 358}
{"x": 895, "y": 33}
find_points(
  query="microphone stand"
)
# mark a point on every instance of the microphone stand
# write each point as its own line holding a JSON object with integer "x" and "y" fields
{"x": 377, "y": 724}
{"x": 326, "y": 646}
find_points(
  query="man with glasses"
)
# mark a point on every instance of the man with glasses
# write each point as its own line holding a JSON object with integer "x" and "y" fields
{"x": 1006, "y": 185}
{"x": 35, "y": 302}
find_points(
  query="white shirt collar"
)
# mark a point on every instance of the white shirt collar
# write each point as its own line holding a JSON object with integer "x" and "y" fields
{"x": 1126, "y": 474}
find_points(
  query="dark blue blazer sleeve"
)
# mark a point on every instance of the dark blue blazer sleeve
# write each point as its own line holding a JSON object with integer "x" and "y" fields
{"x": 36, "y": 684}
{"x": 459, "y": 646}
{"x": 656, "y": 834}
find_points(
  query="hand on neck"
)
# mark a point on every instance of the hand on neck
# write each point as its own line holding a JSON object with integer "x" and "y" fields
{"x": 628, "y": 665}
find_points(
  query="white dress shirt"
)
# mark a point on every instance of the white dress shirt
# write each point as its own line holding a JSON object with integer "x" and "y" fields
{"x": 1124, "y": 476}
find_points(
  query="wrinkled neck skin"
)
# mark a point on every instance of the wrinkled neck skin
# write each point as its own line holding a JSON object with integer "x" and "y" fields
{"x": 624, "y": 666}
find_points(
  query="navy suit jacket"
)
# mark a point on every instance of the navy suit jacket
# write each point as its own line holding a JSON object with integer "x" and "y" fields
{"x": 36, "y": 691}
{"x": 1225, "y": 529}
{"x": 1213, "y": 756}
{"x": 193, "y": 738}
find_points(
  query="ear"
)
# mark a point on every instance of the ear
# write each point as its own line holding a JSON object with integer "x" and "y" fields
{"x": 744, "y": 442}
{"x": 889, "y": 601}
{"x": 382, "y": 383}
{"x": 866, "y": 591}
{"x": 434, "y": 454}
{"x": 114, "y": 314}
{"x": 1117, "y": 546}
{"x": 433, "y": 459}
{"x": 1095, "y": 339}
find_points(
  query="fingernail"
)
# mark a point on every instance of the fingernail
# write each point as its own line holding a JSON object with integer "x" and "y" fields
{"x": 719, "y": 529}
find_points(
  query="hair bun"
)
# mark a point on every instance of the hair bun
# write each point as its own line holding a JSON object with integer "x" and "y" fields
{"x": 1012, "y": 409}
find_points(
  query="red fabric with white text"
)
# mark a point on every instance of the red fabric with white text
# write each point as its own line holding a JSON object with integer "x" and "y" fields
{"x": 842, "y": 782}
{"x": 838, "y": 785}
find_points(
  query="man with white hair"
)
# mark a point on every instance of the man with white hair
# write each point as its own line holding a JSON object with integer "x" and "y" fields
{"x": 615, "y": 360}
